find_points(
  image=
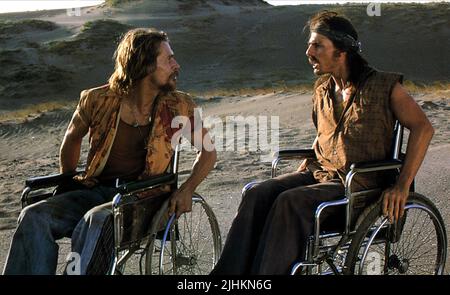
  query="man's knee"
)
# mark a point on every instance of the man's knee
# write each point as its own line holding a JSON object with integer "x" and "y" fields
{"x": 97, "y": 215}
{"x": 33, "y": 214}
{"x": 257, "y": 192}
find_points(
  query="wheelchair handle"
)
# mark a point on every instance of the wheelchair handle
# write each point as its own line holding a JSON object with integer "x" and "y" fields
{"x": 50, "y": 180}
{"x": 150, "y": 183}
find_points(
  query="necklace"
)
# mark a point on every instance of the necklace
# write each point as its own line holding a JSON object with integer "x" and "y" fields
{"x": 136, "y": 125}
{"x": 136, "y": 122}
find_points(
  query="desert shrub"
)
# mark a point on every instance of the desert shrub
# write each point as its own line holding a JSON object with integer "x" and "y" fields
{"x": 114, "y": 3}
{"x": 93, "y": 35}
{"x": 16, "y": 27}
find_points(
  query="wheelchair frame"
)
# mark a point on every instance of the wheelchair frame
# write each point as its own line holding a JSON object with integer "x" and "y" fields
{"x": 128, "y": 190}
{"x": 316, "y": 254}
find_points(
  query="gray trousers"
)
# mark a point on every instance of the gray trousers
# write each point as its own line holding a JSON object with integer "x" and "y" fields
{"x": 79, "y": 214}
{"x": 273, "y": 222}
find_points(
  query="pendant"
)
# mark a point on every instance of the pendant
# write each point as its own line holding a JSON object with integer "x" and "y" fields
{"x": 135, "y": 125}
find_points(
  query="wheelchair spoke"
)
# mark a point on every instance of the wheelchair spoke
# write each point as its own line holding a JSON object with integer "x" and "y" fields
{"x": 427, "y": 253}
{"x": 413, "y": 247}
{"x": 424, "y": 260}
{"x": 202, "y": 250}
{"x": 406, "y": 237}
{"x": 199, "y": 233}
{"x": 184, "y": 230}
{"x": 205, "y": 252}
{"x": 417, "y": 232}
{"x": 188, "y": 225}
{"x": 188, "y": 233}
{"x": 189, "y": 228}
{"x": 418, "y": 269}
{"x": 417, "y": 249}
{"x": 199, "y": 223}
{"x": 421, "y": 260}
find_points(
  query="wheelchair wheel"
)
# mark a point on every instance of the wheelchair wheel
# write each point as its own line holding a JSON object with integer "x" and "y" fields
{"x": 415, "y": 245}
{"x": 189, "y": 245}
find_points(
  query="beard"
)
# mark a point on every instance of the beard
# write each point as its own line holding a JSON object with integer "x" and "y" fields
{"x": 170, "y": 84}
{"x": 168, "y": 87}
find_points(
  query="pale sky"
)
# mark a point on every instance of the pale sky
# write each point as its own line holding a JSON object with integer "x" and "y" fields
{"x": 23, "y": 5}
{"x": 19, "y": 5}
{"x": 297, "y": 2}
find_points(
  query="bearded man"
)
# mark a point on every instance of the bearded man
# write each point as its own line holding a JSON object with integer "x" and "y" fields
{"x": 129, "y": 121}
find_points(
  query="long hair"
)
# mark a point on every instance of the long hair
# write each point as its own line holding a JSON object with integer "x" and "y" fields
{"x": 343, "y": 36}
{"x": 135, "y": 58}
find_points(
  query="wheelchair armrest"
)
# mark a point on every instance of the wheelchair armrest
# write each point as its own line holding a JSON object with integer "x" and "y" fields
{"x": 290, "y": 154}
{"x": 49, "y": 180}
{"x": 294, "y": 153}
{"x": 371, "y": 166}
{"x": 148, "y": 183}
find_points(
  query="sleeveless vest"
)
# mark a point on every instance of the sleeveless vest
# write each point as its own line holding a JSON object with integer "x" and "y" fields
{"x": 363, "y": 132}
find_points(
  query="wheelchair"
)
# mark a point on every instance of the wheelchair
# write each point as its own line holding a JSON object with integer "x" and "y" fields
{"x": 146, "y": 240}
{"x": 368, "y": 243}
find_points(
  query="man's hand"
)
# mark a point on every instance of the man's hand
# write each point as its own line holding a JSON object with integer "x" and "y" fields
{"x": 302, "y": 167}
{"x": 394, "y": 200}
{"x": 181, "y": 201}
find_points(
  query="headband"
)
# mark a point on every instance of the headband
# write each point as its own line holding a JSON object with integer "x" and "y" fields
{"x": 349, "y": 41}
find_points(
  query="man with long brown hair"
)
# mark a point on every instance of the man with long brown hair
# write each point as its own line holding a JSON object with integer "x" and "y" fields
{"x": 129, "y": 121}
{"x": 354, "y": 110}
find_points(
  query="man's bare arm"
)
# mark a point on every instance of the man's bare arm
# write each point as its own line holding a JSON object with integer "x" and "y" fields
{"x": 302, "y": 167}
{"x": 69, "y": 153}
{"x": 412, "y": 117}
{"x": 181, "y": 200}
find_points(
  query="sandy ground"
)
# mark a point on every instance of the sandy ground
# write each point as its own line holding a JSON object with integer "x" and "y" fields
{"x": 31, "y": 149}
{"x": 220, "y": 44}
{"x": 220, "y": 47}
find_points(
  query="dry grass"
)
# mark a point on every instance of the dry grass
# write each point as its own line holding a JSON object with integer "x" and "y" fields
{"x": 441, "y": 89}
{"x": 437, "y": 88}
{"x": 32, "y": 111}
{"x": 300, "y": 88}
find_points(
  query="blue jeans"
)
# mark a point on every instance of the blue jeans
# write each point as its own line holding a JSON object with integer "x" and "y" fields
{"x": 78, "y": 214}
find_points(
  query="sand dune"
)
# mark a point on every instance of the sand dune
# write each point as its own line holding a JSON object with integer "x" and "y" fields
{"x": 219, "y": 44}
